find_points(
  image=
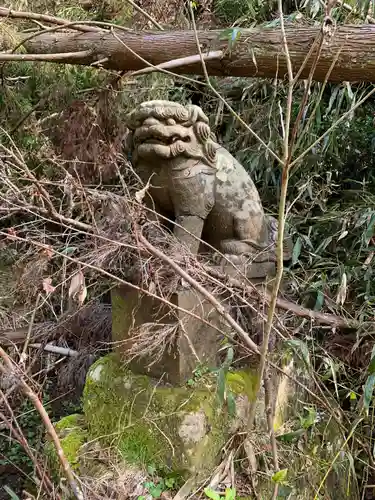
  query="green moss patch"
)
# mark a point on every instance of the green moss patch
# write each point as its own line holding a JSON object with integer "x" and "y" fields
{"x": 173, "y": 428}
{"x": 72, "y": 433}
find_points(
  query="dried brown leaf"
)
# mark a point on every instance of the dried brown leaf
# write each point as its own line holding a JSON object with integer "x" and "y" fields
{"x": 77, "y": 289}
{"x": 341, "y": 294}
{"x": 139, "y": 195}
{"x": 47, "y": 286}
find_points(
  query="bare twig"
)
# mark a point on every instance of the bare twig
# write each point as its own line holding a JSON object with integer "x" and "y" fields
{"x": 8, "y": 368}
{"x": 331, "y": 465}
{"x": 4, "y": 12}
{"x": 176, "y": 63}
{"x": 279, "y": 249}
{"x": 144, "y": 13}
{"x": 216, "y": 304}
{"x": 148, "y": 64}
{"x": 353, "y": 10}
{"x": 119, "y": 280}
{"x": 287, "y": 305}
{"x": 20, "y": 437}
{"x": 28, "y": 336}
{"x": 270, "y": 403}
{"x": 332, "y": 127}
{"x": 44, "y": 57}
{"x": 209, "y": 84}
{"x": 287, "y": 163}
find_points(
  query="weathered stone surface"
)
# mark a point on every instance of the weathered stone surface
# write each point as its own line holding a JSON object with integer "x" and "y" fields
{"x": 195, "y": 342}
{"x": 174, "y": 428}
{"x": 72, "y": 433}
{"x": 182, "y": 429}
{"x": 199, "y": 185}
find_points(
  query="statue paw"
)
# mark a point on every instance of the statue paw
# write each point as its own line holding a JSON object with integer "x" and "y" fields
{"x": 227, "y": 259}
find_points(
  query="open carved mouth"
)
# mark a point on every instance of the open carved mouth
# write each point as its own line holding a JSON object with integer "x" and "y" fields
{"x": 167, "y": 141}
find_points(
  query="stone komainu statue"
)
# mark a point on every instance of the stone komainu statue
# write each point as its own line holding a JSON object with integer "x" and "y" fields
{"x": 198, "y": 184}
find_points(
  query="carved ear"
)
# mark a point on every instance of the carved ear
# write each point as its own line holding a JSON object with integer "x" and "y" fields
{"x": 210, "y": 151}
{"x": 202, "y": 131}
{"x": 195, "y": 114}
{"x": 178, "y": 148}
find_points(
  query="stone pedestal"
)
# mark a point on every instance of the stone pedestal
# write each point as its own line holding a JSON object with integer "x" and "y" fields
{"x": 179, "y": 429}
{"x": 133, "y": 421}
{"x": 195, "y": 342}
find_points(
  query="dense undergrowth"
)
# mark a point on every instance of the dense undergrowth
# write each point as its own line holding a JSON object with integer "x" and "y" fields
{"x": 65, "y": 122}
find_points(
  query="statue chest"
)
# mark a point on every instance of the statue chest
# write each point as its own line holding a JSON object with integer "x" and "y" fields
{"x": 159, "y": 187}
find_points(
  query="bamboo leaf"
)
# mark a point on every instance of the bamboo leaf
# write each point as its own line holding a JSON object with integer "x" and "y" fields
{"x": 280, "y": 476}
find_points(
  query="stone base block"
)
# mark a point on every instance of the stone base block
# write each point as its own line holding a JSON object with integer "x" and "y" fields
{"x": 194, "y": 341}
{"x": 180, "y": 429}
{"x": 134, "y": 420}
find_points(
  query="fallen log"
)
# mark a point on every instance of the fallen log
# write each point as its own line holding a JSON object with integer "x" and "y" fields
{"x": 258, "y": 52}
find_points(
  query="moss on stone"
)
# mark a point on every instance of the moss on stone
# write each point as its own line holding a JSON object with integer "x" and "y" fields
{"x": 70, "y": 422}
{"x": 242, "y": 382}
{"x": 118, "y": 317}
{"x": 150, "y": 423}
{"x": 72, "y": 433}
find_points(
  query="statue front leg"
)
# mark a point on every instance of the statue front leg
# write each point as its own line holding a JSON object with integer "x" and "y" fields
{"x": 193, "y": 199}
{"x": 188, "y": 230}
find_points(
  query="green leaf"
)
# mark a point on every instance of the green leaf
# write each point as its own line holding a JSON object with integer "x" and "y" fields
{"x": 151, "y": 469}
{"x": 370, "y": 229}
{"x": 284, "y": 491}
{"x": 319, "y": 301}
{"x": 318, "y": 117}
{"x": 368, "y": 391}
{"x": 333, "y": 373}
{"x": 210, "y": 493}
{"x": 349, "y": 91}
{"x": 230, "y": 493}
{"x": 371, "y": 367}
{"x": 229, "y": 357}
{"x": 310, "y": 419}
{"x": 352, "y": 396}
{"x": 221, "y": 386}
{"x": 280, "y": 476}
{"x": 324, "y": 244}
{"x": 68, "y": 250}
{"x": 156, "y": 490}
{"x": 300, "y": 346}
{"x": 296, "y": 250}
{"x": 289, "y": 437}
{"x": 170, "y": 482}
{"x": 11, "y": 493}
{"x": 231, "y": 403}
{"x": 230, "y": 34}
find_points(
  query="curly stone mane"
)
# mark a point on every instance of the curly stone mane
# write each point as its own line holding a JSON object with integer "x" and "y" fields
{"x": 203, "y": 132}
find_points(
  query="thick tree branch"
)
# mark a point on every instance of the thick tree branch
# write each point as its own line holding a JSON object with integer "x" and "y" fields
{"x": 258, "y": 52}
